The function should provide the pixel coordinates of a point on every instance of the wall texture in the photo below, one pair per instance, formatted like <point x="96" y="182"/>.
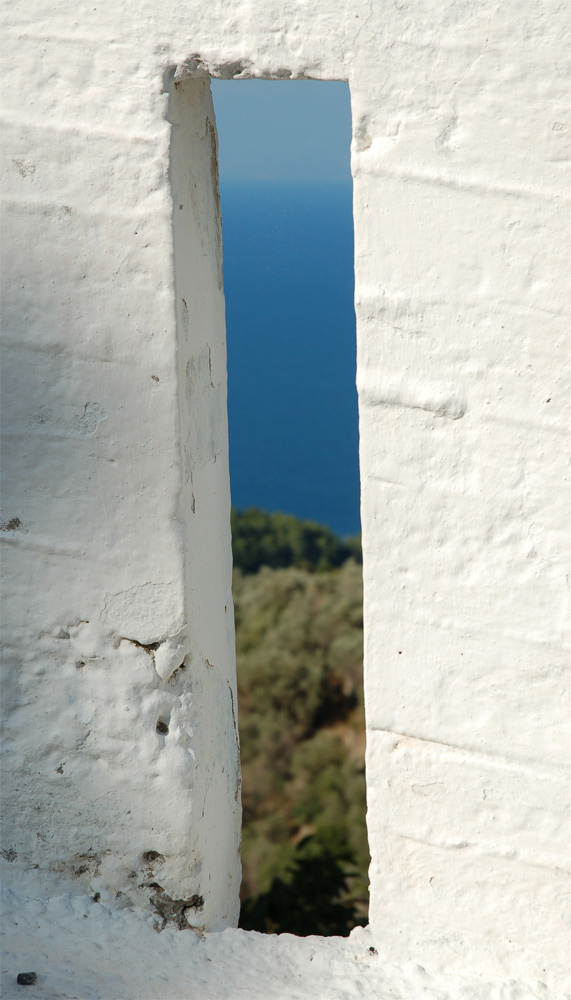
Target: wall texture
<point x="119" y="687"/>
<point x="115" y="467"/>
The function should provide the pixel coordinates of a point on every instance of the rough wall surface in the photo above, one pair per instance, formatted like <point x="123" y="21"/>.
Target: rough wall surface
<point x="116" y="483"/>
<point x="119" y="682"/>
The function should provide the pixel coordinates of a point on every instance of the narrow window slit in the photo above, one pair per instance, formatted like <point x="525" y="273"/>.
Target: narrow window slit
<point x="288" y="274"/>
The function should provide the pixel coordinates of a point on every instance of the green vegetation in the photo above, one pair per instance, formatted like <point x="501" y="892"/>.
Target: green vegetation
<point x="281" y="540"/>
<point x="299" y="638"/>
<point x="314" y="899"/>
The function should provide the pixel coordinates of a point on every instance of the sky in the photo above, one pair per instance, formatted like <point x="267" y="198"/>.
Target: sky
<point x="286" y="194"/>
<point x="283" y="130"/>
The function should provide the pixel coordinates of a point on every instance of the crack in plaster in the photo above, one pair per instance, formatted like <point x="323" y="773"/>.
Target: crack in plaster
<point x="237" y="740"/>
<point x="468" y="754"/>
<point x="479" y="849"/>
<point x="168" y="655"/>
<point x="414" y="396"/>
<point x="368" y="163"/>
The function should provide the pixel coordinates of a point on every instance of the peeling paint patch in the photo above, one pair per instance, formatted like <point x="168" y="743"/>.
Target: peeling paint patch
<point x="173" y="911"/>
<point x="25" y="169"/>
<point x="14" y="524"/>
<point x="84" y="424"/>
<point x="168" y="655"/>
<point x="89" y="420"/>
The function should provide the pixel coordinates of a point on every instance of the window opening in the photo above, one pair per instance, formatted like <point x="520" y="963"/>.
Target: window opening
<point x="288" y="272"/>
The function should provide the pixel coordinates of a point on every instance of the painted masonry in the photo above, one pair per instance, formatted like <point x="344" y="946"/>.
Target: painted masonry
<point x="119" y="684"/>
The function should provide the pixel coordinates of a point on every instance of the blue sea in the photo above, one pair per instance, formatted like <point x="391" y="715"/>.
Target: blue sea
<point x="292" y="402"/>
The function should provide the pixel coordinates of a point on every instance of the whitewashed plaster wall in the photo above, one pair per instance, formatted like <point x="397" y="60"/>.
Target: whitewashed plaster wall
<point x="116" y="486"/>
<point x="119" y="689"/>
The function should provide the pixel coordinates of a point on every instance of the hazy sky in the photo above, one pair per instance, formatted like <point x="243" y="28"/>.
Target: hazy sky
<point x="296" y="130"/>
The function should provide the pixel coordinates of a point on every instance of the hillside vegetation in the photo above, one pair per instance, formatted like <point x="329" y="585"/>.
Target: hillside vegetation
<point x="281" y="540"/>
<point x="299" y="639"/>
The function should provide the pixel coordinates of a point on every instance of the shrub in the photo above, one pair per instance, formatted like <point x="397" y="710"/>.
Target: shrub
<point x="281" y="540"/>
<point x="299" y="649"/>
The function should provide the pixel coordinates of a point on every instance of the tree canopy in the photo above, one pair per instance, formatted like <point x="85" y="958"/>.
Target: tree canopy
<point x="281" y="540"/>
<point x="299" y="642"/>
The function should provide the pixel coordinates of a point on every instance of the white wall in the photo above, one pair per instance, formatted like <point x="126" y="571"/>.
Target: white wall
<point x="464" y="383"/>
<point x="115" y="465"/>
<point x="460" y="144"/>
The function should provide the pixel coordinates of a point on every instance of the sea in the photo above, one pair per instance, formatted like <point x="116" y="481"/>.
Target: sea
<point x="292" y="402"/>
